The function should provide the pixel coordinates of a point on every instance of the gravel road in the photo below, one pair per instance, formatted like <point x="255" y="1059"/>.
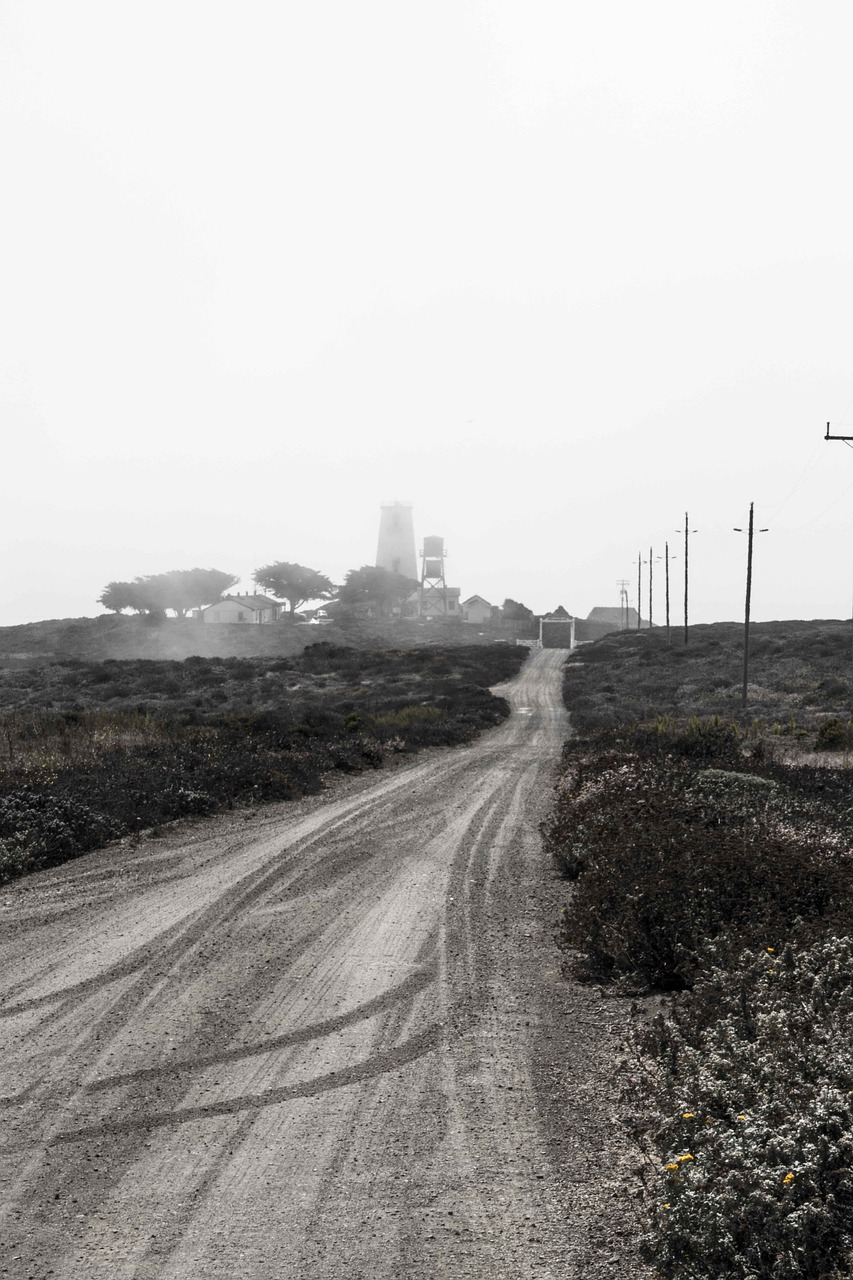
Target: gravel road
<point x="329" y="1041"/>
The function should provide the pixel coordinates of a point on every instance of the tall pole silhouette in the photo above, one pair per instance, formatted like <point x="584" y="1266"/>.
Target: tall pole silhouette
<point x="847" y="440"/>
<point x="687" y="533"/>
<point x="624" y="620"/>
<point x="748" y="602"/>
<point x="639" y="589"/>
<point x="686" y="578"/>
<point x="746" y="612"/>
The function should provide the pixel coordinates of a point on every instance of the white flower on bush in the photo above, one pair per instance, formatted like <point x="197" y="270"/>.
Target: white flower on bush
<point x="768" y="1187"/>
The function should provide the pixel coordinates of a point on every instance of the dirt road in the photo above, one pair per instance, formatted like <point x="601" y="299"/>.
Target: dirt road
<point x="328" y="1042"/>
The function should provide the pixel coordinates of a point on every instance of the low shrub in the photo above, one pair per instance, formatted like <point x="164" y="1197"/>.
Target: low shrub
<point x="834" y="735"/>
<point x="39" y="829"/>
<point x="218" y="732"/>
<point x="668" y="853"/>
<point x="751" y="1134"/>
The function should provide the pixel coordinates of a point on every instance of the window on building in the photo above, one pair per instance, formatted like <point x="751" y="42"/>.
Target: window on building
<point x="241" y="617"/>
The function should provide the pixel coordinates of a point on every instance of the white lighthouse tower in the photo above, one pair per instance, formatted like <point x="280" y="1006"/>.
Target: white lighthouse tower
<point x="396" y="549"/>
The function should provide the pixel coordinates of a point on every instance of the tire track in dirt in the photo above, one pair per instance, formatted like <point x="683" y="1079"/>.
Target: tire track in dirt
<point x="300" y="1051"/>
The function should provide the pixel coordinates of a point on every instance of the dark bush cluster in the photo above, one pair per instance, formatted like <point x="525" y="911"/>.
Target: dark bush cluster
<point x="199" y="735"/>
<point x="40" y="829"/>
<point x="834" y="735"/>
<point x="212" y="686"/>
<point x="674" y="838"/>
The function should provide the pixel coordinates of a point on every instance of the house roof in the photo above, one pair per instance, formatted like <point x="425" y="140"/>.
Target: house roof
<point x="248" y="602"/>
<point x="604" y="613"/>
<point x="615" y="617"/>
<point x="482" y="600"/>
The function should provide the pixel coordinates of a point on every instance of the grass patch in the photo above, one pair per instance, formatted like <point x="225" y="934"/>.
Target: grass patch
<point x="800" y="677"/>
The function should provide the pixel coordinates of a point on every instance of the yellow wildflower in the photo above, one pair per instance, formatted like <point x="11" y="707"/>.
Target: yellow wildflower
<point x="671" y="1165"/>
<point x="741" y="1117"/>
<point x="686" y="1156"/>
<point x="771" y="949"/>
<point x="688" y="1115"/>
<point x="788" y="1179"/>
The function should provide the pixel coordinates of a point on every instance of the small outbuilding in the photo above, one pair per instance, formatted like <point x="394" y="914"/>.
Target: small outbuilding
<point x="476" y="609"/>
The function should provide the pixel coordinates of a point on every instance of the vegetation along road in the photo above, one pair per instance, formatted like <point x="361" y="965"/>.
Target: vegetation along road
<point x="332" y="1041"/>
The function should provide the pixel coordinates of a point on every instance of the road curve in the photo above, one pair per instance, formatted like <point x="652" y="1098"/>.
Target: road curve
<point x="330" y="1042"/>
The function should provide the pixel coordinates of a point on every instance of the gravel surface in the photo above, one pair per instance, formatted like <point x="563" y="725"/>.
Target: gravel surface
<point x="332" y="1041"/>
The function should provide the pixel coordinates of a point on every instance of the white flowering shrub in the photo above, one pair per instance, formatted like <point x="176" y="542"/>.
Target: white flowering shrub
<point x="751" y="1090"/>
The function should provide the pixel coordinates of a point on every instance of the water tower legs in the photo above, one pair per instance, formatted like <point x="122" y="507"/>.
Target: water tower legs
<point x="433" y="597"/>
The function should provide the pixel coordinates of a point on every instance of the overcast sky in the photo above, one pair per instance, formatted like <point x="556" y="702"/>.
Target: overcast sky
<point x="553" y="272"/>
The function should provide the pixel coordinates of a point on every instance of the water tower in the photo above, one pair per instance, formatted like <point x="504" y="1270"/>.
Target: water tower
<point x="396" y="550"/>
<point x="433" y="583"/>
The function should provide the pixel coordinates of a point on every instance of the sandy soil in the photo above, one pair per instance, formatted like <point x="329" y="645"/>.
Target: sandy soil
<point x="332" y="1041"/>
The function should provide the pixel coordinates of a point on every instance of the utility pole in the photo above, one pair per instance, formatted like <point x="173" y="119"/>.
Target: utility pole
<point x="687" y="532"/>
<point x="651" y="585"/>
<point x="748" y="599"/>
<point x="639" y="589"/>
<point x="622" y="584"/>
<point x="666" y="559"/>
<point x="847" y="440"/>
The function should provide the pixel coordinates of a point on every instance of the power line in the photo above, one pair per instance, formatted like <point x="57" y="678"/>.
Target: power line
<point x="835" y="501"/>
<point x="780" y="506"/>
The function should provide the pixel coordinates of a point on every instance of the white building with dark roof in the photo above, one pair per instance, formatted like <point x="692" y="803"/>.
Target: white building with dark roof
<point x="245" y="608"/>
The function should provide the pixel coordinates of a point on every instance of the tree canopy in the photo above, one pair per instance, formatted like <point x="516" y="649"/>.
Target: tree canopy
<point x="295" y="583"/>
<point x="375" y="590"/>
<point x="179" y="590"/>
<point x="119" y="596"/>
<point x="513" y="611"/>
